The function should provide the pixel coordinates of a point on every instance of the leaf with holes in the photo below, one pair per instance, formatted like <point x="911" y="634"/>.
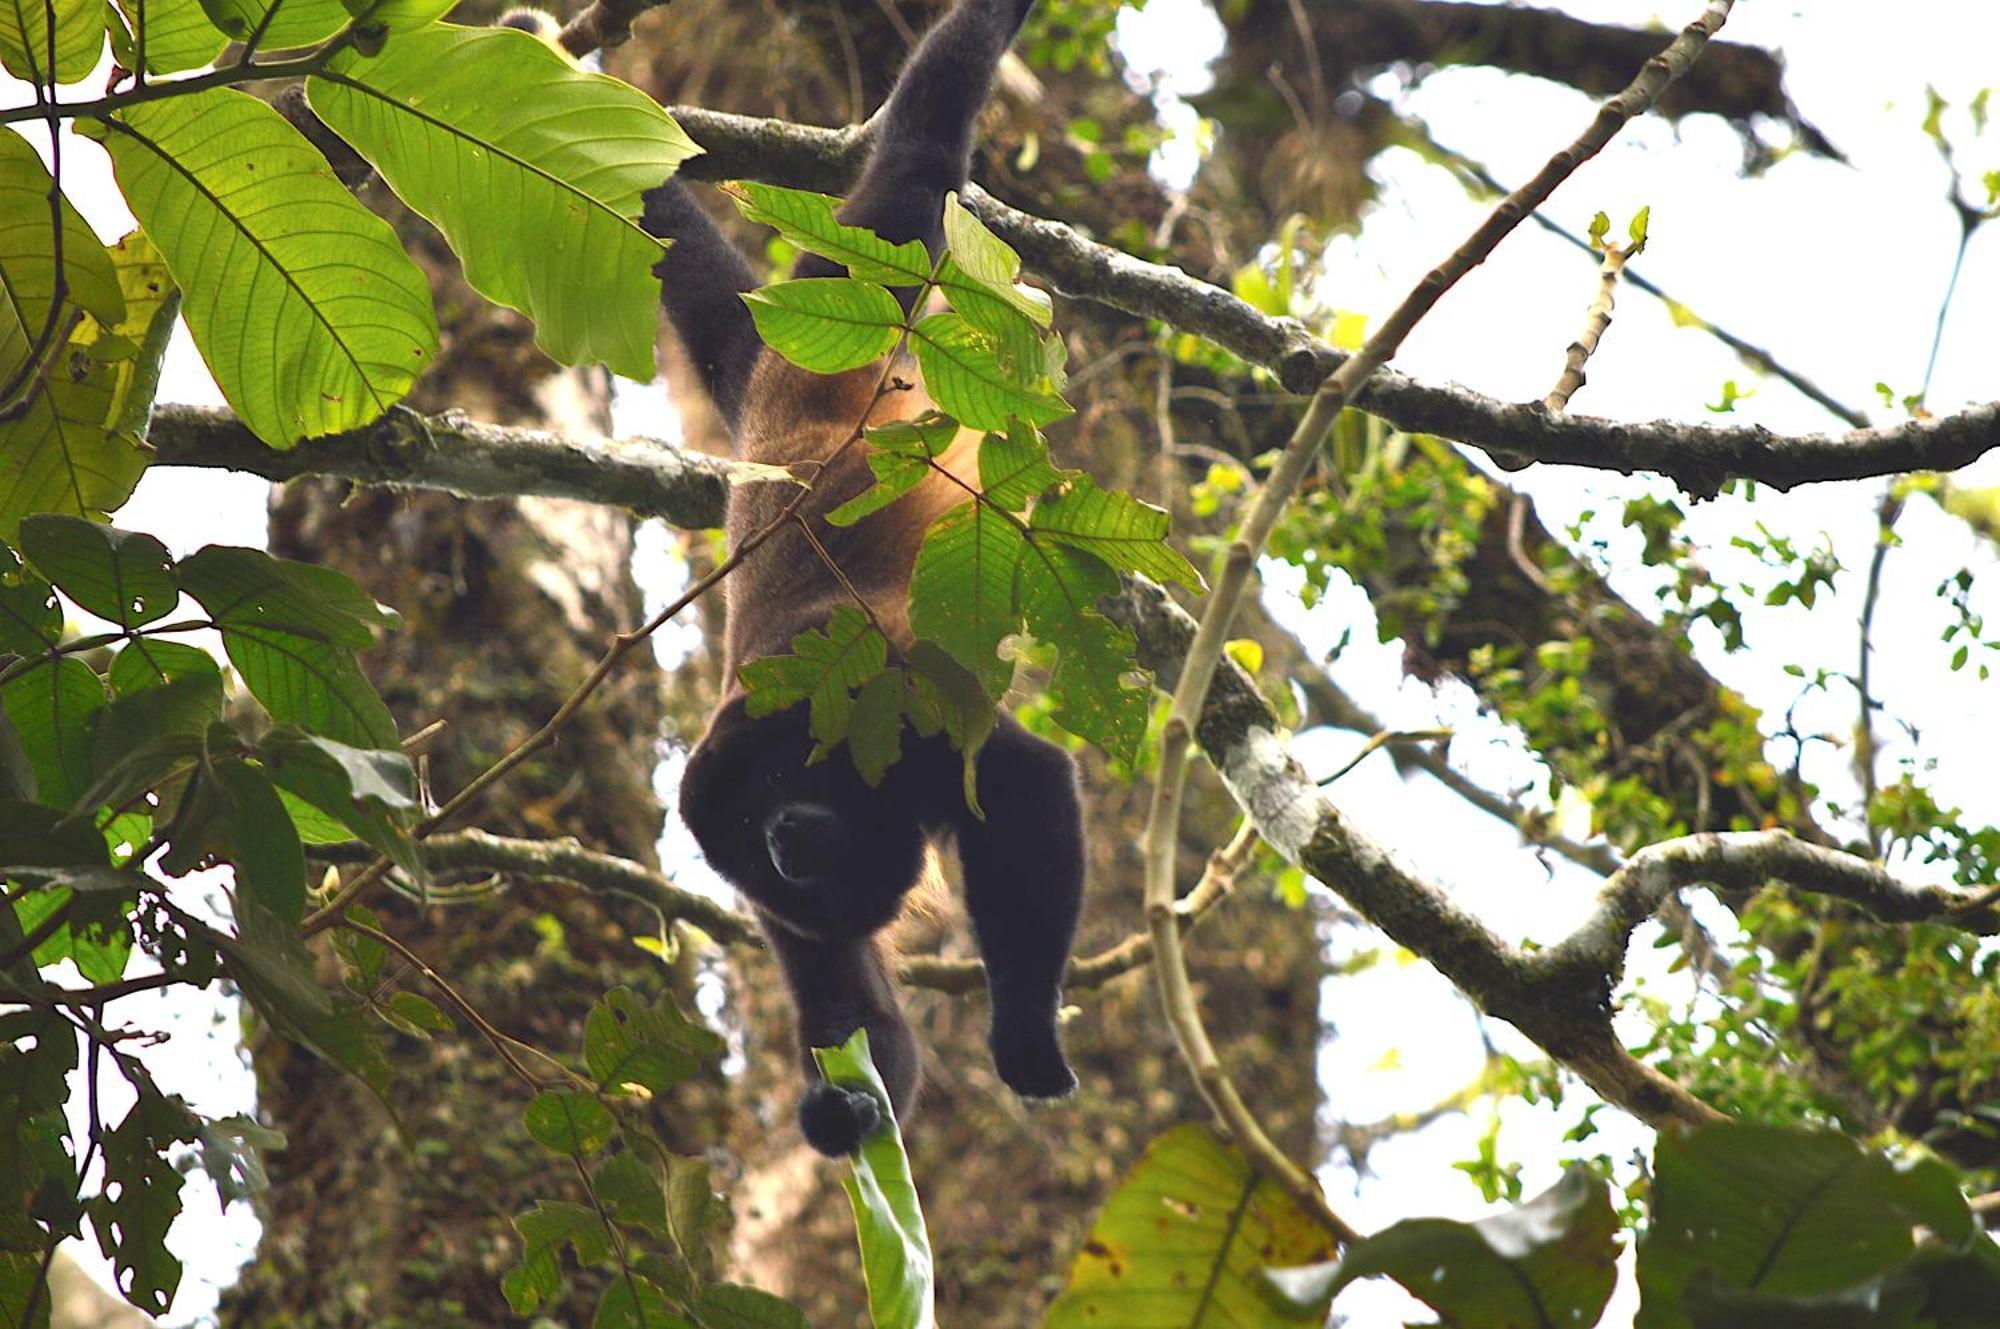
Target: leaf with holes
<point x="303" y="303"/>
<point x="1129" y="535"/>
<point x="125" y="577"/>
<point x="1059" y="588"/>
<point x="566" y="248"/>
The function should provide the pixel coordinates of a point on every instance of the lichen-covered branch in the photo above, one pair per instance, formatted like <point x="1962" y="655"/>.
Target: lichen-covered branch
<point x="463" y="457"/>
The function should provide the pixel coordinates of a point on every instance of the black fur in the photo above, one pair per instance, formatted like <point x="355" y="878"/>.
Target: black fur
<point x="824" y="859"/>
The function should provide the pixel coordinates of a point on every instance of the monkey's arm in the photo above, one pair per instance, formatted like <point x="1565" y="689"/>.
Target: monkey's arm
<point x="838" y="987"/>
<point x="1024" y="871"/>
<point x="702" y="279"/>
<point x="923" y="143"/>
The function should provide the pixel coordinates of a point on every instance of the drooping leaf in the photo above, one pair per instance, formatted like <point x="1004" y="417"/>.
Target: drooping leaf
<point x="569" y="1122"/>
<point x="370" y="791"/>
<point x="275" y="972"/>
<point x="875" y="730"/>
<point x="1129" y="535"/>
<point x="29" y="257"/>
<point x="1793" y="1213"/>
<point x="176" y="35"/>
<point x="24" y="38"/>
<point x="807" y="220"/>
<point x="291" y="630"/>
<point x="825" y="667"/>
<point x="125" y="577"/>
<point x="232" y="1153"/>
<point x="991" y="262"/>
<point x="1550" y="1262"/>
<point x="626" y="1042"/>
<point x="261" y="844"/>
<point x="888" y="1218"/>
<point x="1185" y="1241"/>
<point x="303" y="303"/>
<point x="826" y="324"/>
<point x="945" y="695"/>
<point x="962" y="591"/>
<point x="51" y="703"/>
<point x="965" y="377"/>
<point x="567" y="249"/>
<point x="141" y="1199"/>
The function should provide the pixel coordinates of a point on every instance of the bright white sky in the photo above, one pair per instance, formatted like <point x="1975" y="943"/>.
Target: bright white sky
<point x="1837" y="269"/>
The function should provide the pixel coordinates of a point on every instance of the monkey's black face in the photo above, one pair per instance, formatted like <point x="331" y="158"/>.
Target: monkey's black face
<point x="812" y="844"/>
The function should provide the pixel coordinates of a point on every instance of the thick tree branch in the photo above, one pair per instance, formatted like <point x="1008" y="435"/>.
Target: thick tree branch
<point x="459" y="456"/>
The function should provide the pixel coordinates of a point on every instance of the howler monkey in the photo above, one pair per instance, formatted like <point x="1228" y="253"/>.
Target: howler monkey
<point x="825" y="859"/>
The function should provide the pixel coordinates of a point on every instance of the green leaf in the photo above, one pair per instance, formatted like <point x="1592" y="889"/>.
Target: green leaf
<point x="1552" y="1261"/>
<point x="57" y="455"/>
<point x="232" y="1150"/>
<point x="987" y="260"/>
<point x="807" y="220"/>
<point x="962" y="591"/>
<point x="28" y="253"/>
<point x="655" y="1047"/>
<point x="24" y="39"/>
<point x="303" y="303"/>
<point x="635" y="1302"/>
<point x="291" y="630"/>
<point x="123" y="577"/>
<point x="412" y="1014"/>
<point x="142" y="742"/>
<point x="141" y="1198"/>
<point x="177" y="34"/>
<point x="276" y="974"/>
<point x="1788" y="1212"/>
<point x="262" y="844"/>
<point x="148" y="662"/>
<point x="544" y="1230"/>
<point x="566" y="249"/>
<point x="20" y="1284"/>
<point x="875" y="731"/>
<point x="1058" y="590"/>
<point x="1185" y="1241"/>
<point x="965" y="377"/>
<point x="734" y="1306"/>
<point x="630" y="1192"/>
<point x="31" y="618"/>
<point x="1129" y="535"/>
<point x="134" y="347"/>
<point x="1014" y="467"/>
<point x="371" y="791"/>
<point x="570" y="1122"/>
<point x="896" y="474"/>
<point x="825" y="667"/>
<point x="888" y="1218"/>
<point x="51" y="704"/>
<point x="826" y="324"/>
<point x="17" y="773"/>
<point x="945" y="695"/>
<point x="295" y="22"/>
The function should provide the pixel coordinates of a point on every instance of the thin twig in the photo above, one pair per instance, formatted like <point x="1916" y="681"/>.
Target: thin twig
<point x="1595" y="322"/>
<point x="502" y="1044"/>
<point x="1198" y="672"/>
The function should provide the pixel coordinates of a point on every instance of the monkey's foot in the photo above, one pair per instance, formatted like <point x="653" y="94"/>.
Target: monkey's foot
<point x="1030" y="1061"/>
<point x="836" y="1120"/>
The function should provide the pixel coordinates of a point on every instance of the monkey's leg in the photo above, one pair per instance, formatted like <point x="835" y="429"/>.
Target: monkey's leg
<point x="838" y="987"/>
<point x="1024" y="868"/>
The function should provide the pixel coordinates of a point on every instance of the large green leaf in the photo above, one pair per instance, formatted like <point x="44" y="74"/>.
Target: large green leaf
<point x="296" y="22"/>
<point x="370" y="791"/>
<point x="291" y="630"/>
<point x="1788" y="1213"/>
<point x="142" y="1197"/>
<point x="303" y="303"/>
<point x="541" y="205"/>
<point x="1184" y="1242"/>
<point x="966" y="378"/>
<point x="51" y="703"/>
<point x="124" y="577"/>
<point x="807" y="220"/>
<point x="29" y="260"/>
<point x="1059" y="588"/>
<point x="24" y="38"/>
<point x="1126" y="533"/>
<point x="58" y="456"/>
<point x="962" y="591"/>
<point x="888" y="1217"/>
<point x="1549" y="1264"/>
<point x="270" y="862"/>
<point x="827" y="324"/>
<point x="175" y="34"/>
